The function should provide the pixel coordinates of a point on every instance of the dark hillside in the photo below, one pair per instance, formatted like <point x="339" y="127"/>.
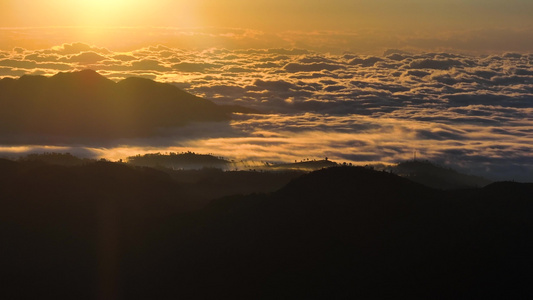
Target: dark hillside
<point x="107" y="230"/>
<point x="351" y="233"/>
<point x="53" y="158"/>
<point x="65" y="229"/>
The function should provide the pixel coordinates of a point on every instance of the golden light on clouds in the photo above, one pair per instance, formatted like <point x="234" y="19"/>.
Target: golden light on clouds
<point x="382" y="77"/>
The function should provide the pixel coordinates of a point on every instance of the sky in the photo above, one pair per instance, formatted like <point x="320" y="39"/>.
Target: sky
<point x="357" y="81"/>
<point x="337" y="25"/>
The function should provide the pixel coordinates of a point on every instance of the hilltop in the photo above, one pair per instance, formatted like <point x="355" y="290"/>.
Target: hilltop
<point x="185" y="160"/>
<point x="423" y="172"/>
<point x="86" y="106"/>
<point x="308" y="165"/>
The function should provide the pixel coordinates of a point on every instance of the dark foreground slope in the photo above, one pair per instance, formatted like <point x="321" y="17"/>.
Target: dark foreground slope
<point x="63" y="228"/>
<point x="335" y="233"/>
<point x="86" y="106"/>
<point x="349" y="233"/>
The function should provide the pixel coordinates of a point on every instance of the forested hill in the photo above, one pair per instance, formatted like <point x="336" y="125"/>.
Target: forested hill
<point x="85" y="104"/>
<point x="186" y="160"/>
<point x="107" y="229"/>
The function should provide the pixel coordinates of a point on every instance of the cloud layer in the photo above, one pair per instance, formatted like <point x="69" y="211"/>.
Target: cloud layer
<point x="474" y="112"/>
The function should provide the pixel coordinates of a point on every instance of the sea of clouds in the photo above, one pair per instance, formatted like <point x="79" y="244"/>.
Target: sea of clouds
<point x="473" y="112"/>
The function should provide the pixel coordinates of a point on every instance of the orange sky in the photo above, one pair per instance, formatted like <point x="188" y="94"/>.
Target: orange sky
<point x="268" y="15"/>
<point x="372" y="24"/>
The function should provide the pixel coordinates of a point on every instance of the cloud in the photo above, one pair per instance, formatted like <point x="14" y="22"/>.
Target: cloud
<point x="193" y="67"/>
<point x="87" y="58"/>
<point x="387" y="105"/>
<point x="297" y="67"/>
<point x="288" y="51"/>
<point x="124" y="57"/>
<point x="441" y="64"/>
<point x="18" y="63"/>
<point x="40" y="57"/>
<point x="278" y="85"/>
<point x="9" y="72"/>
<point x="149" y="65"/>
<point x="266" y="65"/>
<point x="440" y="135"/>
<point x="416" y="73"/>
<point x="76" y="48"/>
<point x="334" y="88"/>
<point x="221" y="90"/>
<point x="395" y="52"/>
<point x="365" y="62"/>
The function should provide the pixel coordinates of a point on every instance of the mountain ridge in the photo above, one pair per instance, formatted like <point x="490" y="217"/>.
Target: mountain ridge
<point x="439" y="177"/>
<point x="85" y="105"/>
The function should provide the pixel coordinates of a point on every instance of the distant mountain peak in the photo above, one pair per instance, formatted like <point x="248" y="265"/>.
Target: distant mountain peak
<point x="87" y="75"/>
<point x="433" y="175"/>
<point x="85" y="105"/>
<point x="136" y="79"/>
<point x="90" y="72"/>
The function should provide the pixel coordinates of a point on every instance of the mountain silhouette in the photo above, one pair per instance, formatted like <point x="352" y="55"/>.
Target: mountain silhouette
<point x="435" y="176"/>
<point x="87" y="106"/>
<point x="108" y="229"/>
<point x="186" y="160"/>
<point x="52" y="158"/>
<point x="309" y="165"/>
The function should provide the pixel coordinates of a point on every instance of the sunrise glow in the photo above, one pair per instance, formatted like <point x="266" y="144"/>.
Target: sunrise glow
<point x="356" y="81"/>
<point x="266" y="149"/>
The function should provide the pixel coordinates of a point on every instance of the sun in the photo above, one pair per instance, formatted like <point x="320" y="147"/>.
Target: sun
<point x="80" y="12"/>
<point x="95" y="16"/>
<point x="105" y="12"/>
<point x="131" y="13"/>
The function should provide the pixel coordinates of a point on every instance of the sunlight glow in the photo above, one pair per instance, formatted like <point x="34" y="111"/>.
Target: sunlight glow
<point x="101" y="12"/>
<point x="98" y="13"/>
